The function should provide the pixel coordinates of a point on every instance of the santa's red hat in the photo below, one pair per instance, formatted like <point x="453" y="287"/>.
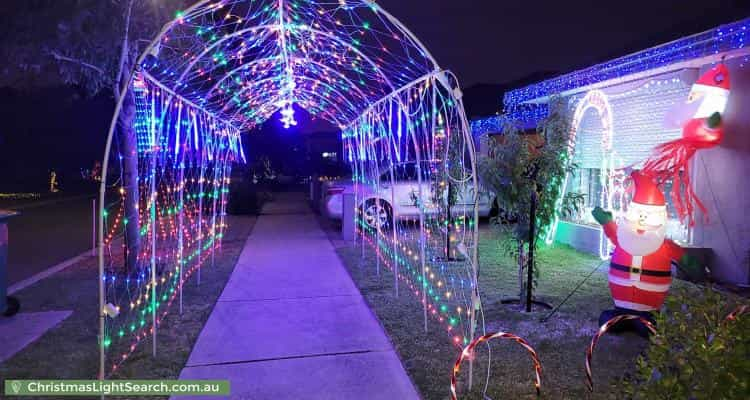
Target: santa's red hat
<point x="717" y="77"/>
<point x="646" y="190"/>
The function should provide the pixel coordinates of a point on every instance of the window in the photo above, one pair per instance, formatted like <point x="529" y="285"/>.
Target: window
<point x="676" y="230"/>
<point x="586" y="181"/>
<point x="407" y="172"/>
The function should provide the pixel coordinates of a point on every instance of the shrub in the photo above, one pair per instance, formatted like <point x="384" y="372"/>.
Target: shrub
<point x="698" y="353"/>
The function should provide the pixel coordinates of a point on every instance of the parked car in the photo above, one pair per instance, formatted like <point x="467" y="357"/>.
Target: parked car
<point x="405" y="192"/>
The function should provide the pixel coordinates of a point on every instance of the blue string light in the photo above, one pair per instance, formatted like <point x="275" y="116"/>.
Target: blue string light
<point x="718" y="40"/>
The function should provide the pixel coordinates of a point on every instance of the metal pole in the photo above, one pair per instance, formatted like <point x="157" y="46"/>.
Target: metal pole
<point x="154" y="197"/>
<point x="393" y="194"/>
<point x="181" y="227"/>
<point x="378" y="205"/>
<point x="448" y="226"/>
<point x="359" y="196"/>
<point x="214" y="195"/>
<point x="181" y="203"/>
<point x="93" y="227"/>
<point x="348" y="230"/>
<point x="200" y="214"/>
<point x="422" y="239"/>
<point x="393" y="229"/>
<point x="530" y="276"/>
<point x="469" y="143"/>
<point x="225" y="177"/>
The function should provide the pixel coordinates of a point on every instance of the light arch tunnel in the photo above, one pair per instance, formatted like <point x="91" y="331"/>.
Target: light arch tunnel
<point x="221" y="68"/>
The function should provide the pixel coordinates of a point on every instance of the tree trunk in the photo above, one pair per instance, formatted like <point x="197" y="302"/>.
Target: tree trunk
<point x="129" y="153"/>
<point x="521" y="266"/>
<point x="532" y="244"/>
<point x="128" y="148"/>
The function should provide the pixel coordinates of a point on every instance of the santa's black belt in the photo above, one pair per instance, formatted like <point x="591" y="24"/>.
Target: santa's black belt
<point x="641" y="271"/>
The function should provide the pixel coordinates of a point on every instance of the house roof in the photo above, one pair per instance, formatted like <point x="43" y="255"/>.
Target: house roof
<point x="690" y="51"/>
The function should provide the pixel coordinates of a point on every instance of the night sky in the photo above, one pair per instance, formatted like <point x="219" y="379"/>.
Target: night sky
<point x="482" y="41"/>
<point x="498" y="41"/>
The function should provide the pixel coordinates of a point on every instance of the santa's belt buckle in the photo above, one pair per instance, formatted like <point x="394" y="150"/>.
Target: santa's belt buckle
<point x="635" y="270"/>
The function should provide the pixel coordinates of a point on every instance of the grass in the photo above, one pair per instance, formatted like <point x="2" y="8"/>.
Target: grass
<point x="70" y="351"/>
<point x="561" y="341"/>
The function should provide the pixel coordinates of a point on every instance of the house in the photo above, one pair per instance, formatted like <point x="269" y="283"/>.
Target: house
<point x="618" y="110"/>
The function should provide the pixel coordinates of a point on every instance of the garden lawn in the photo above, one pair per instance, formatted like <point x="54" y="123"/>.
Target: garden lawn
<point x="70" y="351"/>
<point x="561" y="342"/>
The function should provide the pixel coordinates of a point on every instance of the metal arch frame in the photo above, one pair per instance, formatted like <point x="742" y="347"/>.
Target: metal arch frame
<point x="240" y="32"/>
<point x="311" y="94"/>
<point x="312" y="101"/>
<point x="237" y="34"/>
<point x="352" y="48"/>
<point x="196" y="10"/>
<point x="281" y="38"/>
<point x="434" y="77"/>
<point x="274" y="99"/>
<point x="105" y="165"/>
<point x="334" y="105"/>
<point x="374" y="6"/>
<point x="394" y="93"/>
<point x="306" y="101"/>
<point x="294" y="59"/>
<point x="301" y="77"/>
<point x="246" y="88"/>
<point x="378" y="9"/>
<point x="176" y="95"/>
<point x="237" y="69"/>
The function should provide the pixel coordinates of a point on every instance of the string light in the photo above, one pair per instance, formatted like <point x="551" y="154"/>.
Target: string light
<point x="722" y="39"/>
<point x="625" y="144"/>
<point x="226" y="66"/>
<point x="184" y="158"/>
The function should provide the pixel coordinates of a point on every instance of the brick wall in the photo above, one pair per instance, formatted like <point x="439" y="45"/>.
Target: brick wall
<point x="638" y="111"/>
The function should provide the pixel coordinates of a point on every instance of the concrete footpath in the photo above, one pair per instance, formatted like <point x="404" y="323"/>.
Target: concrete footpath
<point x="291" y="324"/>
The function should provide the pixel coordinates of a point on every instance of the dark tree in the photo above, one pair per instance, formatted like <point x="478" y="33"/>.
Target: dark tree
<point x="93" y="45"/>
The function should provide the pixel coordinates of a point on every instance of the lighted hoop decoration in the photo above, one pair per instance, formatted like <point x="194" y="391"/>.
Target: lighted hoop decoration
<point x="502" y="335"/>
<point x="602" y="330"/>
<point x="736" y="313"/>
<point x="597" y="100"/>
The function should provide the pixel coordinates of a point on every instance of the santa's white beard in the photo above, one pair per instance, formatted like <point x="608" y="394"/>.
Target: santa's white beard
<point x="640" y="244"/>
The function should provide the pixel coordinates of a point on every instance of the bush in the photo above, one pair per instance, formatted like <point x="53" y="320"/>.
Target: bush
<point x="698" y="353"/>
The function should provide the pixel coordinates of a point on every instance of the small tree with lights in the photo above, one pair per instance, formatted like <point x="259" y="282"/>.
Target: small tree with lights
<point x="526" y="172"/>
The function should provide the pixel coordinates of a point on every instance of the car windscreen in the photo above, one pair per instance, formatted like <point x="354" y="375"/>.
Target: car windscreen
<point x="407" y="172"/>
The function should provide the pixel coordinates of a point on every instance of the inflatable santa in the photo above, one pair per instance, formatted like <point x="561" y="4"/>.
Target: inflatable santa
<point x="640" y="269"/>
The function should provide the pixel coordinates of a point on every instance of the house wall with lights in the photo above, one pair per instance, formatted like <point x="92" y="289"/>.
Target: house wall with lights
<point x="617" y="110"/>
